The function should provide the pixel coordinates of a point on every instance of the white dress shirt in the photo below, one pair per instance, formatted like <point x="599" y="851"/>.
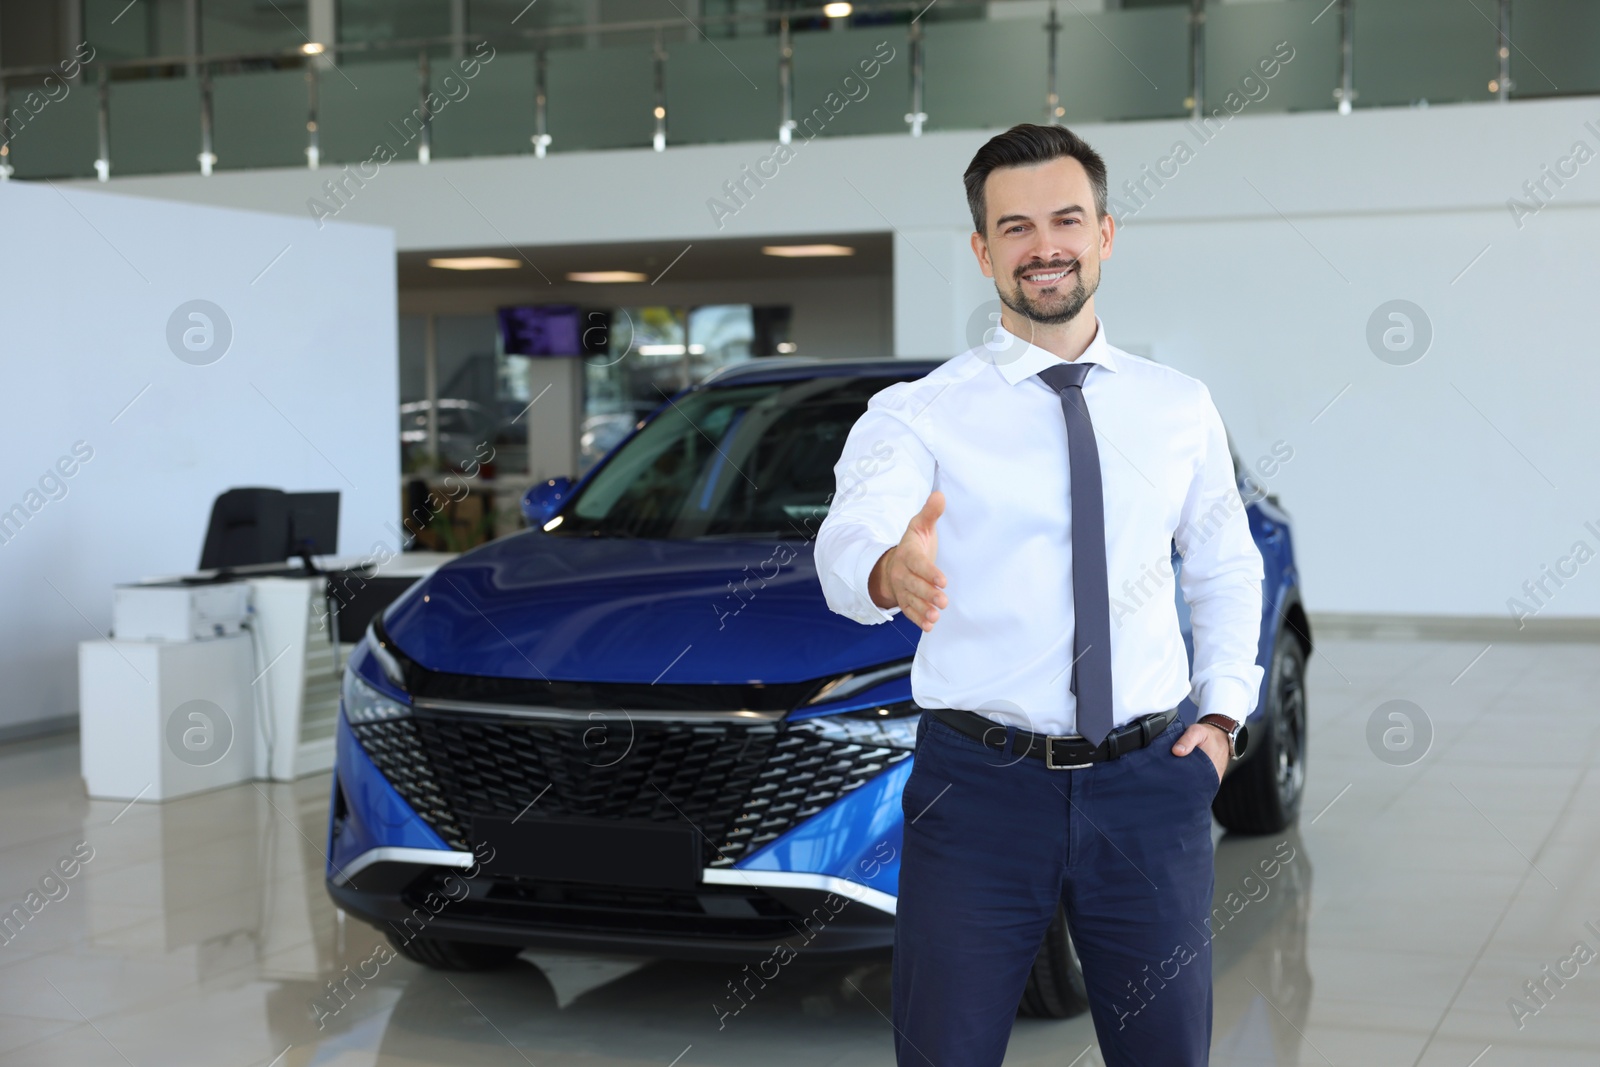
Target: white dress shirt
<point x="990" y="434"/>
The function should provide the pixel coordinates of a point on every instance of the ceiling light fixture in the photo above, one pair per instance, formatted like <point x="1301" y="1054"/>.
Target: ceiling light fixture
<point x="837" y="10"/>
<point x="312" y="48"/>
<point x="806" y="251"/>
<point x="606" y="276"/>
<point x="474" y="263"/>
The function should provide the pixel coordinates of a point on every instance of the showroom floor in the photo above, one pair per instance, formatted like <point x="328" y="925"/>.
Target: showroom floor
<point x="1415" y="902"/>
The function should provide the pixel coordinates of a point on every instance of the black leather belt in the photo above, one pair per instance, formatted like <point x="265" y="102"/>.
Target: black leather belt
<point x="1060" y="752"/>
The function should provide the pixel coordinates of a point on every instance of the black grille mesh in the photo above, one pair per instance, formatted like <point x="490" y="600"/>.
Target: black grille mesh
<point x="742" y="785"/>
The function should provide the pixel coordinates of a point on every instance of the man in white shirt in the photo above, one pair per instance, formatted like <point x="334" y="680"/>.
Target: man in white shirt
<point x="1051" y="764"/>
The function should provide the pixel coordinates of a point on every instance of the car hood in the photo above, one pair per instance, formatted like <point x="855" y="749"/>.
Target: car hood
<point x="539" y="606"/>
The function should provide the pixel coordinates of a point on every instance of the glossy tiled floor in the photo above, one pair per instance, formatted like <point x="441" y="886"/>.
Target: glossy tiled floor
<point x="1420" y="900"/>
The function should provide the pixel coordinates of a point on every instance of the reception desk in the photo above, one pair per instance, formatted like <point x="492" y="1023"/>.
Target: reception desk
<point x="178" y="708"/>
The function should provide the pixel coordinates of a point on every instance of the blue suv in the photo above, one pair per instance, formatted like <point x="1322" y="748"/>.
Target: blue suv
<point x="637" y="727"/>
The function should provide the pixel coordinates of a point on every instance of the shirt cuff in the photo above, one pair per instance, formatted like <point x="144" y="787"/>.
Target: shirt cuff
<point x="1225" y="696"/>
<point x="861" y="580"/>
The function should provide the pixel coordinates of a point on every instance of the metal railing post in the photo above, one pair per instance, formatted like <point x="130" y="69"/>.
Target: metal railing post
<point x="313" y="134"/>
<point x="5" y="132"/>
<point x="659" y="140"/>
<point x="1197" y="58"/>
<point x="1503" y="85"/>
<point x="1345" y="94"/>
<point x="916" y="116"/>
<point x="425" y="140"/>
<point x="786" y="122"/>
<point x="1052" y="96"/>
<point x="541" y="103"/>
<point x="208" y="157"/>
<point x="102" y="165"/>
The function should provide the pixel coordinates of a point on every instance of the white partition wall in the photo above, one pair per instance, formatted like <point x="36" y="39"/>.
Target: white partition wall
<point x="1255" y="258"/>
<point x="152" y="355"/>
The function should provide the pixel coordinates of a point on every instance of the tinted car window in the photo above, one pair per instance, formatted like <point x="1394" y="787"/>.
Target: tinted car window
<point x="732" y="461"/>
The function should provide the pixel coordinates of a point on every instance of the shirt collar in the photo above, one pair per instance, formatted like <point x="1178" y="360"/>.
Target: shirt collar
<point x="1035" y="359"/>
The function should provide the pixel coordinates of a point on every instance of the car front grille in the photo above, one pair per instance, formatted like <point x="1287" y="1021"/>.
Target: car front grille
<point x="741" y="785"/>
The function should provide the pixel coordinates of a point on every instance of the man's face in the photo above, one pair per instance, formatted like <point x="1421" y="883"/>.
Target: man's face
<point x="1043" y="244"/>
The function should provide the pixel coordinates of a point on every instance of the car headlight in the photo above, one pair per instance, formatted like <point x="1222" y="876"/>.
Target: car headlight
<point x="364" y="703"/>
<point x="885" y="726"/>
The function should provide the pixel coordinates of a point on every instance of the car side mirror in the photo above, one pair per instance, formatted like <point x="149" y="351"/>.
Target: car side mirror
<point x="540" y="503"/>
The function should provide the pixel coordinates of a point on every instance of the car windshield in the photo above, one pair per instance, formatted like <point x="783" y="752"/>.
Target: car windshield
<point x="726" y="462"/>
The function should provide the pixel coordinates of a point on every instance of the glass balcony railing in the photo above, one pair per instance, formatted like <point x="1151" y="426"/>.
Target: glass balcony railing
<point x="555" y="82"/>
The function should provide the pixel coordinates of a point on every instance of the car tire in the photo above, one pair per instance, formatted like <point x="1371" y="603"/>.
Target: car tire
<point x="455" y="955"/>
<point x="1055" y="988"/>
<point x="1262" y="795"/>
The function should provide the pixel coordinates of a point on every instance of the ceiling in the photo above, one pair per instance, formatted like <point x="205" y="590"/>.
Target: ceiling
<point x="722" y="259"/>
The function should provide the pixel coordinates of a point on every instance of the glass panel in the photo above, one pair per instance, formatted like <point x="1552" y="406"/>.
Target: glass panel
<point x="1111" y="65"/>
<point x="1242" y="47"/>
<point x="708" y="98"/>
<point x="1146" y="74"/>
<point x="620" y="11"/>
<point x="117" y="31"/>
<point x="237" y="26"/>
<point x="468" y="386"/>
<point x="499" y="18"/>
<point x="53" y="138"/>
<point x="1416" y="51"/>
<point x="155" y="126"/>
<point x="391" y="20"/>
<point x="833" y="96"/>
<point x="720" y="31"/>
<point x="259" y="119"/>
<point x="1555" y="51"/>
<point x="489" y="114"/>
<point x="981" y="75"/>
<point x="719" y="336"/>
<point x="364" y="105"/>
<point x="601" y="98"/>
<point x="413" y="341"/>
<point x="643" y="365"/>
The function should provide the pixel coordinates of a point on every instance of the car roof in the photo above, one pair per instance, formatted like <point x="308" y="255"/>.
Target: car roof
<point x="789" y="368"/>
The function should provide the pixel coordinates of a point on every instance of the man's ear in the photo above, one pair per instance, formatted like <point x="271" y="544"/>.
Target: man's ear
<point x="980" y="248"/>
<point x="1108" y="234"/>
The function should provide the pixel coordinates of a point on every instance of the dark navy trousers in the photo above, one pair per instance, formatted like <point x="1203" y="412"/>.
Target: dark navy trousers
<point x="993" y="841"/>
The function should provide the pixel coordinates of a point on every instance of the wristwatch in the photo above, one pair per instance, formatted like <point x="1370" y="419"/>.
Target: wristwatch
<point x="1238" y="734"/>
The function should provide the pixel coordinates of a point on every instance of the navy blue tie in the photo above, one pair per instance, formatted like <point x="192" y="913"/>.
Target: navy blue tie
<point x="1091" y="597"/>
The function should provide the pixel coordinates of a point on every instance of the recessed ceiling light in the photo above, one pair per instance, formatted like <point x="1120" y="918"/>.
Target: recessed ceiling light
<point x="312" y="48"/>
<point x="606" y="276"/>
<point x="474" y="263"/>
<point x="836" y="10"/>
<point x="802" y="251"/>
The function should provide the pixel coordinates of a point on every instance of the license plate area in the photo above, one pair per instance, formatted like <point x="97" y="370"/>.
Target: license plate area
<point x="597" y="851"/>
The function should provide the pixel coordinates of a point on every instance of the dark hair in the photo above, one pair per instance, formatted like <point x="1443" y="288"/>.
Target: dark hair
<point x="1025" y="144"/>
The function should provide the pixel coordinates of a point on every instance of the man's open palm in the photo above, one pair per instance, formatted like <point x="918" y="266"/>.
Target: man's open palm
<point x="905" y="576"/>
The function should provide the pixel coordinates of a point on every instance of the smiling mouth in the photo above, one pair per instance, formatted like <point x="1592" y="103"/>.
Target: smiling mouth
<point x="1049" y="277"/>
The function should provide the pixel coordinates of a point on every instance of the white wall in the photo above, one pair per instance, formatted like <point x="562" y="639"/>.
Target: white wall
<point x="1435" y="488"/>
<point x="304" y="398"/>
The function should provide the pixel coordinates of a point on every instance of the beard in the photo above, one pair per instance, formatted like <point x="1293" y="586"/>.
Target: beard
<point x="1049" y="309"/>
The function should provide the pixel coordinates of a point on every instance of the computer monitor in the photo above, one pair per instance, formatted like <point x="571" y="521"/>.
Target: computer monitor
<point x="313" y="524"/>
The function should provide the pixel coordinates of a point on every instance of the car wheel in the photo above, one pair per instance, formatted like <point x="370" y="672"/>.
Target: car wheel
<point x="454" y="955"/>
<point x="1262" y="796"/>
<point x="1055" y="987"/>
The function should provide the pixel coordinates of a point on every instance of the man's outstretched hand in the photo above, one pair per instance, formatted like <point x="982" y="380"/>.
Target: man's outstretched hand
<point x="905" y="577"/>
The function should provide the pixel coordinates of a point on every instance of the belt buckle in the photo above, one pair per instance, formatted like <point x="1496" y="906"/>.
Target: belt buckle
<point x="1050" y="752"/>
